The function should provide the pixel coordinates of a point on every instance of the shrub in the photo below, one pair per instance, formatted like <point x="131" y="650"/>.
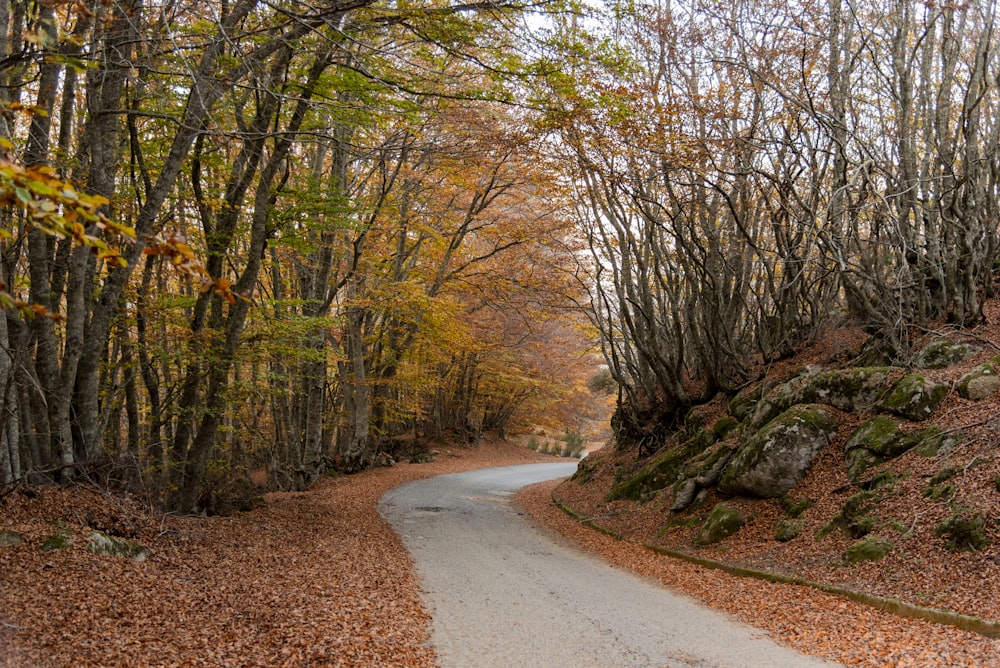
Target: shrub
<point x="573" y="444"/>
<point x="602" y="382"/>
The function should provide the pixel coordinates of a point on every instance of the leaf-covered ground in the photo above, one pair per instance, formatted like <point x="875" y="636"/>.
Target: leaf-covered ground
<point x="312" y="579"/>
<point x="813" y="622"/>
<point x="319" y="579"/>
<point x="922" y="495"/>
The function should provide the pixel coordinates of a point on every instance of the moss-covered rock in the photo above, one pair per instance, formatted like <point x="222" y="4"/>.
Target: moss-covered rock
<point x="940" y="492"/>
<point x="943" y="352"/>
<point x="847" y="389"/>
<point x="723" y="427"/>
<point x="663" y="470"/>
<point x="773" y="460"/>
<point x="795" y="507"/>
<point x="880" y="434"/>
<point x="878" y="351"/>
<point x="788" y="530"/>
<point x="585" y="471"/>
<point x="871" y="548"/>
<point x="886" y="478"/>
<point x="979" y="383"/>
<point x="947" y="473"/>
<point x="875" y="441"/>
<point x="857" y="517"/>
<point x="113" y="546"/>
<point x="721" y="523"/>
<point x="743" y="404"/>
<point x="59" y="541"/>
<point x="914" y="397"/>
<point x="707" y="468"/>
<point x="964" y="531"/>
<point x="8" y="538"/>
<point x="938" y="487"/>
<point x="699" y="440"/>
<point x="858" y="461"/>
<point x="932" y="441"/>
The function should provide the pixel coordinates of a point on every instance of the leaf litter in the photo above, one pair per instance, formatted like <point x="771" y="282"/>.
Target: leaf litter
<point x="315" y="578"/>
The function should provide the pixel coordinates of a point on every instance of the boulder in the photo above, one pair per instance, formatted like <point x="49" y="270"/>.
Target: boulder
<point x="773" y="460"/>
<point x="113" y="546"/>
<point x="60" y="541"/>
<point x="932" y="441"/>
<point x="722" y="522"/>
<point x="852" y="389"/>
<point x="743" y="404"/>
<point x="663" y="470"/>
<point x="871" y="548"/>
<point x="943" y="352"/>
<point x="859" y="514"/>
<point x="979" y="383"/>
<point x="878" y="351"/>
<point x="723" y="426"/>
<point x="873" y="442"/>
<point x="8" y="538"/>
<point x="914" y="397"/>
<point x="788" y="530"/>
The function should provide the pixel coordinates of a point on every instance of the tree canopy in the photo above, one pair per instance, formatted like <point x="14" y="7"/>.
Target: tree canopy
<point x="296" y="236"/>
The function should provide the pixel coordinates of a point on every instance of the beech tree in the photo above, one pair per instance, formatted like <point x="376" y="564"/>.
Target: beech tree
<point x="320" y="180"/>
<point x="749" y="173"/>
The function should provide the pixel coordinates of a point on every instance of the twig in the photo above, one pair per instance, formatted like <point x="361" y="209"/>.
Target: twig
<point x="969" y="465"/>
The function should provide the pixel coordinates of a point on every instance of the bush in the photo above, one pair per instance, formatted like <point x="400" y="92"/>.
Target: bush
<point x="573" y="444"/>
<point x="602" y="383"/>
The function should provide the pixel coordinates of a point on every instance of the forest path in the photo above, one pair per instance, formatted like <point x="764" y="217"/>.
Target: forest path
<point x="503" y="593"/>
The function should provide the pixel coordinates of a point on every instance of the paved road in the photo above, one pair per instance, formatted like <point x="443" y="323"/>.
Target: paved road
<point x="502" y="594"/>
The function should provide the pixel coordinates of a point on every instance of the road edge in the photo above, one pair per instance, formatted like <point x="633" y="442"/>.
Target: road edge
<point x="983" y="627"/>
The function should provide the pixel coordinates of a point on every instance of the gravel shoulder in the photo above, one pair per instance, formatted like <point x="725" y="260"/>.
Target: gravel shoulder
<point x="502" y="594"/>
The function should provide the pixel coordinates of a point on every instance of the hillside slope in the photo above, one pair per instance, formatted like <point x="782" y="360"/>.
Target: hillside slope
<point x="897" y="494"/>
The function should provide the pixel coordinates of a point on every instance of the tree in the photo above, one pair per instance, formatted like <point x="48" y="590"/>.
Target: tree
<point x="749" y="173"/>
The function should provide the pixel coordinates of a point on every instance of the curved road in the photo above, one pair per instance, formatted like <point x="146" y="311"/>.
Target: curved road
<point x="503" y="594"/>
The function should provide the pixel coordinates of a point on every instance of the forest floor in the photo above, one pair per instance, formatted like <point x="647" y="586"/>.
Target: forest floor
<point x="809" y="620"/>
<point x="316" y="578"/>
<point x="919" y="569"/>
<point x="319" y="579"/>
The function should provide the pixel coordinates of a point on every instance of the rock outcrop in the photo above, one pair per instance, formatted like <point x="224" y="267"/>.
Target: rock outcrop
<point x="774" y="459"/>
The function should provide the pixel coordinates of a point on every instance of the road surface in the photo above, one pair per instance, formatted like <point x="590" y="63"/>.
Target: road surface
<point x="504" y="594"/>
